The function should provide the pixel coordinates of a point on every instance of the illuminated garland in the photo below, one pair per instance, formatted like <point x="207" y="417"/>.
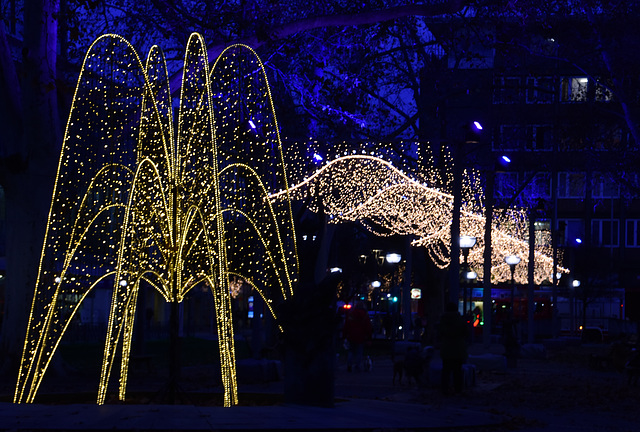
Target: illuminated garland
<point x="366" y="188"/>
<point x="137" y="203"/>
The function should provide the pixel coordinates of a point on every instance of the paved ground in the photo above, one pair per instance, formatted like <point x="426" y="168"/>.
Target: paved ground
<point x="558" y="393"/>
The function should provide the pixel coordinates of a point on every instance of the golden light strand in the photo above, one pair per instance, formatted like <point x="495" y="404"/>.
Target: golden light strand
<point x="369" y="189"/>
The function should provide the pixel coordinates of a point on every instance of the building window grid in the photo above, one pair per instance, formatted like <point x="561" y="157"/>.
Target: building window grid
<point x="507" y="90"/>
<point x="605" y="232"/>
<point x="540" y="90"/>
<point x="632" y="239"/>
<point x="540" y="138"/>
<point x="543" y="232"/>
<point x="602" y="93"/>
<point x="571" y="184"/>
<point x="513" y="137"/>
<point x="539" y="186"/>
<point x="506" y="184"/>
<point x="573" y="229"/>
<point x="574" y="89"/>
<point x="604" y="186"/>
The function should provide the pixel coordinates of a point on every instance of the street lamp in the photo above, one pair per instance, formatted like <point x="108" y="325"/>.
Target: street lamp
<point x="470" y="276"/>
<point x="575" y="284"/>
<point x="394" y="258"/>
<point x="466" y="243"/>
<point x="509" y="330"/>
<point x="513" y="261"/>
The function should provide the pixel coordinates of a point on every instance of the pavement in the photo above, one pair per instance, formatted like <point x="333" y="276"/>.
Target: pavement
<point x="347" y="415"/>
<point x="364" y="401"/>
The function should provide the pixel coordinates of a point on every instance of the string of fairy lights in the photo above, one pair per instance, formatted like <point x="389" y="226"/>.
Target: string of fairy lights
<point x="137" y="203"/>
<point x="363" y="187"/>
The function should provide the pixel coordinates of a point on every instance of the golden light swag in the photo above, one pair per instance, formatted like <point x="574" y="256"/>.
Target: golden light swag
<point x="386" y="200"/>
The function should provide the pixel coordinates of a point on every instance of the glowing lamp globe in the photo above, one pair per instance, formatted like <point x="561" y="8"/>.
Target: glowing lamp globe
<point x="393" y="258"/>
<point x="467" y="242"/>
<point x="512" y="260"/>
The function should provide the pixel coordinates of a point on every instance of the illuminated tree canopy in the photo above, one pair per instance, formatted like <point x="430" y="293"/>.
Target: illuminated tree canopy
<point x="137" y="202"/>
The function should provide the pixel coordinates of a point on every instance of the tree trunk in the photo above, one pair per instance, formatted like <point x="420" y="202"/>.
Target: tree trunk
<point x="487" y="304"/>
<point x="29" y="178"/>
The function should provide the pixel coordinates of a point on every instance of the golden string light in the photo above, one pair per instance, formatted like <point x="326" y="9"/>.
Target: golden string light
<point x="369" y="189"/>
<point x="136" y="203"/>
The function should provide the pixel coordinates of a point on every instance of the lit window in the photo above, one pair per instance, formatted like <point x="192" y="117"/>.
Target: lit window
<point x="602" y="93"/>
<point x="574" y="89"/>
<point x="543" y="232"/>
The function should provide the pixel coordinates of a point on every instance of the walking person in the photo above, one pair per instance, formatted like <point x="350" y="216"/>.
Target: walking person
<point x="356" y="331"/>
<point x="453" y="347"/>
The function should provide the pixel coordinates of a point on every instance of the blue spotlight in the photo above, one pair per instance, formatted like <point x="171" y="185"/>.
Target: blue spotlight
<point x="506" y="159"/>
<point x="252" y="125"/>
<point x="477" y="125"/>
<point x="317" y="157"/>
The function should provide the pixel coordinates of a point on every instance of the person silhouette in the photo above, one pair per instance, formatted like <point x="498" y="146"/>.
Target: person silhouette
<point x="356" y="331"/>
<point x="453" y="347"/>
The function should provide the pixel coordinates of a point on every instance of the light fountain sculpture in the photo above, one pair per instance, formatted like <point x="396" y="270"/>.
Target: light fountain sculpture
<point x="136" y="202"/>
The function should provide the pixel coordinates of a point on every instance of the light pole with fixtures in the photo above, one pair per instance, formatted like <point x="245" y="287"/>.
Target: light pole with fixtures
<point x="510" y="337"/>
<point x="470" y="276"/>
<point x="575" y="284"/>
<point x="513" y="261"/>
<point x="466" y="243"/>
<point x="393" y="259"/>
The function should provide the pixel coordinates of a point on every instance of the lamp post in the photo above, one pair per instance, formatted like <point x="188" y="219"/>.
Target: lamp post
<point x="393" y="259"/>
<point x="469" y="276"/>
<point x="466" y="243"/>
<point x="510" y="337"/>
<point x="575" y="284"/>
<point x="513" y="261"/>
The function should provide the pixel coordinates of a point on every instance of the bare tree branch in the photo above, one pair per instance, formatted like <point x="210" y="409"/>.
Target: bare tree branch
<point x="364" y="18"/>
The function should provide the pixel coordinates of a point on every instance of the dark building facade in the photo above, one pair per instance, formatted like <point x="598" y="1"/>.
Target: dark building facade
<point x="565" y="128"/>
